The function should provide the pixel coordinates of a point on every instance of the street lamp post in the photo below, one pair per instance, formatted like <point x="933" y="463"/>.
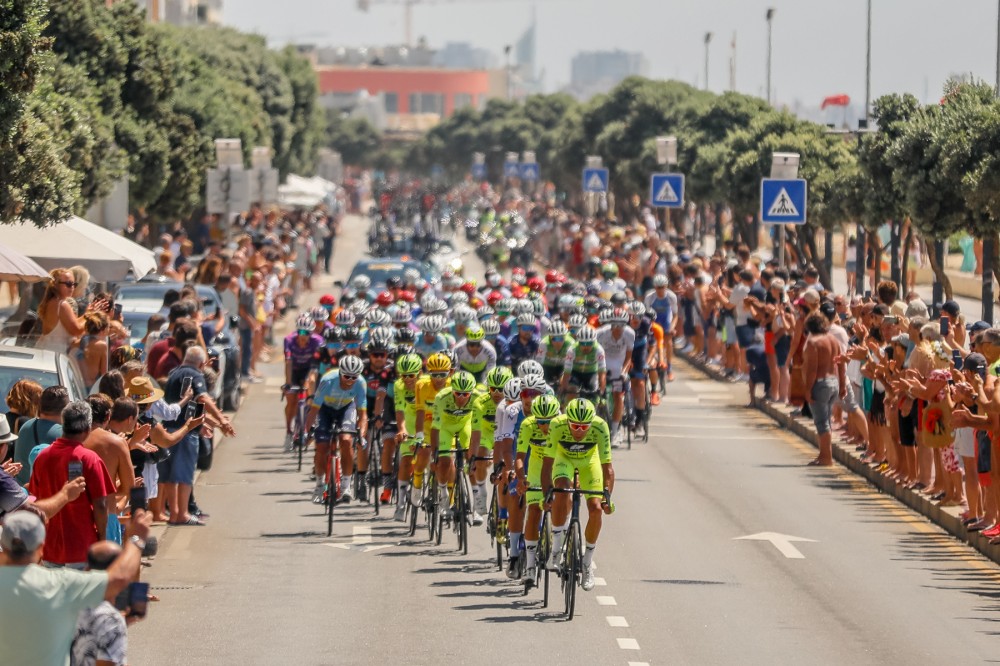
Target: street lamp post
<point x="506" y="55"/>
<point x="708" y="39"/>
<point x="868" y="68"/>
<point x="989" y="243"/>
<point x="770" y="16"/>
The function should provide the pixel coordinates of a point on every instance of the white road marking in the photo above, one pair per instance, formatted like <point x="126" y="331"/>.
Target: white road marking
<point x="362" y="541"/>
<point x="599" y="582"/>
<point x="780" y="541"/>
<point x="628" y="644"/>
<point x="606" y="601"/>
<point x="616" y="621"/>
<point x="726" y="439"/>
<point x="638" y="663"/>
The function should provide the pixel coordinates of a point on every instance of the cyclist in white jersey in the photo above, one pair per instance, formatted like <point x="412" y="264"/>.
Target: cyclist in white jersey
<point x="617" y="339"/>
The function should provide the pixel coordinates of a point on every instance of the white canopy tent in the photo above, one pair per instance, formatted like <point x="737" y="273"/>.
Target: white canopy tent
<point x="298" y="191"/>
<point x="108" y="256"/>
<point x="15" y="267"/>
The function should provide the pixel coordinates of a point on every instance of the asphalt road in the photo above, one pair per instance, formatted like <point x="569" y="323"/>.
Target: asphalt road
<point x="262" y="584"/>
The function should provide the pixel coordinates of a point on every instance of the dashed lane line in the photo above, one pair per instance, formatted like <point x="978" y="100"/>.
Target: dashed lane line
<point x="606" y="601"/>
<point x="628" y="644"/>
<point x="616" y="621"/>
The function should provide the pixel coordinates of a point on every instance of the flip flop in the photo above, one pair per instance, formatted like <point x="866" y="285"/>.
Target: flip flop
<point x="190" y="521"/>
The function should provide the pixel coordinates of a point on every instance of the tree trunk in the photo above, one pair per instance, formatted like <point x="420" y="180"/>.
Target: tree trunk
<point x="824" y="275"/>
<point x="905" y="260"/>
<point x="876" y="244"/>
<point x="939" y="274"/>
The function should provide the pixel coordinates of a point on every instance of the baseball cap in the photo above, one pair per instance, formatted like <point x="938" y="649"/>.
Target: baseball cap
<point x="979" y="327"/>
<point x="23" y="532"/>
<point x="950" y="308"/>
<point x="974" y="362"/>
<point x="12" y="495"/>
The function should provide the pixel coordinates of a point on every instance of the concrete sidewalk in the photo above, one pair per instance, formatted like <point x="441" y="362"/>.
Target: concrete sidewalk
<point x="945" y="517"/>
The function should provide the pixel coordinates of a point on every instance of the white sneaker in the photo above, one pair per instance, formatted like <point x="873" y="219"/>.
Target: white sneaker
<point x="477" y="519"/>
<point x="288" y="441"/>
<point x="400" y="514"/>
<point x="318" y="493"/>
<point x="588" y="579"/>
<point x="415" y="495"/>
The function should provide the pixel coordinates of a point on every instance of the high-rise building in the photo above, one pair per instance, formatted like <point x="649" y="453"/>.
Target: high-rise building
<point x="595" y="72"/>
<point x="188" y="12"/>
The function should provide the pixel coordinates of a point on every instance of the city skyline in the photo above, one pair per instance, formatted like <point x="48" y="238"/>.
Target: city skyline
<point x="819" y="47"/>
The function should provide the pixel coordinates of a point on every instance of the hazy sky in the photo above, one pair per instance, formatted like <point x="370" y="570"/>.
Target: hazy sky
<point x="819" y="45"/>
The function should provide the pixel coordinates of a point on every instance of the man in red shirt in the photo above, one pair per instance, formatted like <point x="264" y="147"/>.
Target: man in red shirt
<point x="84" y="520"/>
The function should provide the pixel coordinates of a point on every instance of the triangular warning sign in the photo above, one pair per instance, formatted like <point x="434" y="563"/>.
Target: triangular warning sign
<point x="666" y="194"/>
<point x="596" y="183"/>
<point x="783" y="206"/>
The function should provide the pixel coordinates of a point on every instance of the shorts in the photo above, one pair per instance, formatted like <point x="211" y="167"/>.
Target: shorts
<point x="849" y="403"/>
<point x="824" y="393"/>
<point x="782" y="347"/>
<point x="533" y="464"/>
<point x="965" y="442"/>
<point x="638" y="370"/>
<point x="769" y="343"/>
<point x="336" y="421"/>
<point x="552" y="373"/>
<point x="878" y="407"/>
<point x="745" y="335"/>
<point x="408" y="448"/>
<point x="729" y="335"/>
<point x="446" y="439"/>
<point x="591" y="472"/>
<point x="908" y="426"/>
<point x="586" y="381"/>
<point x="300" y="375"/>
<point x="180" y="466"/>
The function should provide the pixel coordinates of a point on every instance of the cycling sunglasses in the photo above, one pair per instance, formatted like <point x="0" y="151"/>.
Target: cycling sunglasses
<point x="410" y="376"/>
<point x="347" y="377"/>
<point x="528" y="329"/>
<point x="586" y="343"/>
<point x="579" y="427"/>
<point x="333" y="345"/>
<point x="461" y="394"/>
<point x="304" y="331"/>
<point x="440" y="375"/>
<point x="556" y="338"/>
<point x="375" y="354"/>
<point x="328" y="308"/>
<point x="352" y="345"/>
<point x="542" y="422"/>
<point x="473" y="344"/>
<point x="530" y="394"/>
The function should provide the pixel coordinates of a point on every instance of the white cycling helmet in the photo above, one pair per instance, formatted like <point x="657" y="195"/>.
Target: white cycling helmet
<point x="586" y="334"/>
<point x="577" y="321"/>
<point x="304" y="322"/>
<point x="529" y="367"/>
<point x="345" y="318"/>
<point x="660" y="280"/>
<point x="431" y="324"/>
<point x="378" y="317"/>
<point x="534" y="383"/>
<point x="491" y="327"/>
<point x="512" y="389"/>
<point x="361" y="282"/>
<point x="526" y="319"/>
<point x="351" y="365"/>
<point x="401" y="315"/>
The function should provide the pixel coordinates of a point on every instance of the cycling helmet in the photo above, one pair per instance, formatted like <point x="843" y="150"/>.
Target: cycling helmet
<point x="567" y="302"/>
<point x="385" y="298"/>
<point x="409" y="364"/>
<point x="637" y="308"/>
<point x="407" y="296"/>
<point x="469" y="287"/>
<point x="431" y="324"/>
<point x="376" y="317"/>
<point x="577" y="321"/>
<point x="380" y="339"/>
<point x="545" y="407"/>
<point x="411" y="275"/>
<point x="557" y="328"/>
<point x="604" y="316"/>
<point x="438" y="363"/>
<point x="491" y="327"/>
<point x="498" y="377"/>
<point x="592" y="304"/>
<point x="538" y="307"/>
<point x="352" y="334"/>
<point x="526" y="319"/>
<point x="512" y="389"/>
<point x="494" y="298"/>
<point x="580" y="410"/>
<point x="405" y="336"/>
<point x="517" y="275"/>
<point x="458" y="298"/>
<point x="319" y="313"/>
<point x="435" y="306"/>
<point x="536" y="284"/>
<point x="394" y="282"/>
<point x="660" y="280"/>
<point x="493" y="279"/>
<point x="401" y="315"/>
<point x="427" y="299"/>
<point x="358" y="307"/>
<point x="332" y="335"/>
<point x="327" y="299"/>
<point x="351" y="365"/>
<point x="361" y="282"/>
<point x="586" y="334"/>
<point x="345" y="318"/>
<point x="475" y="333"/>
<point x="534" y="383"/>
<point x="304" y="322"/>
<point x="529" y="367"/>
<point x="618" y="299"/>
<point x="463" y="315"/>
<point x="484" y="312"/>
<point x="463" y="382"/>
<point x="523" y="306"/>
<point x="552" y="276"/>
<point x="609" y="269"/>
<point x="619" y="316"/>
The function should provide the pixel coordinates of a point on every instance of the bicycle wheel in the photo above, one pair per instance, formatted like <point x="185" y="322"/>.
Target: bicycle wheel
<point x="542" y="557"/>
<point x="300" y="444"/>
<point x="331" y="492"/>
<point x="375" y="471"/>
<point x="430" y="505"/>
<point x="461" y="515"/>
<point x="493" y="527"/>
<point x="413" y="509"/>
<point x="439" y="519"/>
<point x="572" y="567"/>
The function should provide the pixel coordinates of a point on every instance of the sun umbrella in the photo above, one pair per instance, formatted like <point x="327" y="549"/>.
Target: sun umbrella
<point x="15" y="267"/>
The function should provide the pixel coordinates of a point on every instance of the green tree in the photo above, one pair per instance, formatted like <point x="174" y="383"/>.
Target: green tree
<point x="356" y="139"/>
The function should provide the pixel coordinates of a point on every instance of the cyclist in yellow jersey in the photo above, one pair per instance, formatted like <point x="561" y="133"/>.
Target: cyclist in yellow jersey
<point x="484" y="410"/>
<point x="581" y="440"/>
<point x="437" y="378"/>
<point x="452" y="424"/>
<point x="532" y="442"/>
<point x="408" y="369"/>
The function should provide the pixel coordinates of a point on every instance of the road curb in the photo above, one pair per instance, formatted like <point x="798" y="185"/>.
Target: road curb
<point x="946" y="518"/>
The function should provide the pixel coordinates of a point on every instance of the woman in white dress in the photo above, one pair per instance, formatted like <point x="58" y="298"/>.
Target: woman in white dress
<point x="58" y="312"/>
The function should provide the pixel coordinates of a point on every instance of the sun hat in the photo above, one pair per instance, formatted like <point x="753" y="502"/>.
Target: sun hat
<point x="141" y="390"/>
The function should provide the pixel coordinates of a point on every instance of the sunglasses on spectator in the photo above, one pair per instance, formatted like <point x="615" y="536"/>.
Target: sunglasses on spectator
<point x="440" y="375"/>
<point x="71" y="285"/>
<point x="461" y="394"/>
<point x="579" y="427"/>
<point x="348" y="378"/>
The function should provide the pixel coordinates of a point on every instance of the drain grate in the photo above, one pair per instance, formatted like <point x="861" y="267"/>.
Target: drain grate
<point x="175" y="588"/>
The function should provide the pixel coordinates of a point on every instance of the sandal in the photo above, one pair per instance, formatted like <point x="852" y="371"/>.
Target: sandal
<point x="190" y="521"/>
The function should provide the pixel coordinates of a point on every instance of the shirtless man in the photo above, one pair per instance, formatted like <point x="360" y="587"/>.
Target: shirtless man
<point x="113" y="450"/>
<point x="825" y="380"/>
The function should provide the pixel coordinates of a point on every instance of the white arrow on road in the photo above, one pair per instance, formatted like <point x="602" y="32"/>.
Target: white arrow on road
<point x="362" y="541"/>
<point x="783" y="542"/>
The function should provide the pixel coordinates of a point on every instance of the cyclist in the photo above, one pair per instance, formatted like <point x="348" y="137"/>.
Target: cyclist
<point x="552" y="352"/>
<point x="617" y="340"/>
<point x="380" y="378"/>
<point x="585" y="368"/>
<point x="579" y="440"/>
<point x="474" y="354"/>
<point x="452" y="423"/>
<point x="360" y="284"/>
<point x="408" y="368"/>
<point x="611" y="282"/>
<point x="321" y="319"/>
<point x="484" y="412"/>
<point x="641" y="350"/>
<point x="326" y="358"/>
<point x="437" y="378"/>
<point x="352" y="341"/>
<point x="532" y="442"/>
<point x="301" y="350"/>
<point x="338" y="407"/>
<point x="662" y="301"/>
<point x="431" y="339"/>
<point x="524" y="344"/>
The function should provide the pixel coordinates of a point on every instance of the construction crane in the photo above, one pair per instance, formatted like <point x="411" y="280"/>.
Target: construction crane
<point x="365" y="5"/>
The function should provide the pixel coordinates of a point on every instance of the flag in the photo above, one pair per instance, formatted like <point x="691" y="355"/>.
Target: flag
<point x="835" y="100"/>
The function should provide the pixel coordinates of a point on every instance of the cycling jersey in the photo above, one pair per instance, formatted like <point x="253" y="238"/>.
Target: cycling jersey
<point x="330" y="394"/>
<point x="479" y="364"/>
<point x="326" y="360"/>
<point x="616" y="350"/>
<point x="440" y="343"/>
<point x="452" y="420"/>
<point x="664" y="308"/>
<point x="383" y="379"/>
<point x="522" y="351"/>
<point x="425" y="393"/>
<point x="406" y="402"/>
<point x="484" y="419"/>
<point x="586" y="455"/>
<point x="508" y="421"/>
<point x="549" y="356"/>
<point x="583" y="359"/>
<point x="533" y="443"/>
<point x="608" y="288"/>
<point x="302" y="356"/>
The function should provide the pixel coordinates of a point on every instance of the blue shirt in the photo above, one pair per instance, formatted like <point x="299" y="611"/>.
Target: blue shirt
<point x="330" y="394"/>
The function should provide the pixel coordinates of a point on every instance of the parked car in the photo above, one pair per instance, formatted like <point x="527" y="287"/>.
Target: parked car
<point x="380" y="270"/>
<point x="46" y="367"/>
<point x="141" y="299"/>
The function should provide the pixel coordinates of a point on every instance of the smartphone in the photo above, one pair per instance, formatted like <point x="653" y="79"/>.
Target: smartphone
<point x="199" y="410"/>
<point x="982" y="372"/>
<point x="138" y="598"/>
<point x="190" y="410"/>
<point x="945" y="325"/>
<point x="75" y="468"/>
<point x="185" y="385"/>
<point x="956" y="357"/>
<point x="868" y="295"/>
<point x="118" y="311"/>
<point x="137" y="498"/>
<point x="891" y="320"/>
<point x="890" y="352"/>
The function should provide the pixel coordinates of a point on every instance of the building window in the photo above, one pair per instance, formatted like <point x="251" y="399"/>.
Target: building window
<point x="414" y="102"/>
<point x="391" y="102"/>
<point x="462" y="100"/>
<point x="432" y="103"/>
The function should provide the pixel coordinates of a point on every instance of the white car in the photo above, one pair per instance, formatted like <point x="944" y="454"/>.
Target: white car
<point x="48" y="368"/>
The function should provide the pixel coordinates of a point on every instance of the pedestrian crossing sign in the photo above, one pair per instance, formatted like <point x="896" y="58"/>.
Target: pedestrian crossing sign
<point x="666" y="190"/>
<point x="595" y="180"/>
<point x="783" y="201"/>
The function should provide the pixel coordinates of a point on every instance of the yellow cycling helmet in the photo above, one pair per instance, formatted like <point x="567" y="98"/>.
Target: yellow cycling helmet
<point x="438" y="362"/>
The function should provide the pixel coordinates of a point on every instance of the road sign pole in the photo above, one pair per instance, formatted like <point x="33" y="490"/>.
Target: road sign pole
<point x="781" y="245"/>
